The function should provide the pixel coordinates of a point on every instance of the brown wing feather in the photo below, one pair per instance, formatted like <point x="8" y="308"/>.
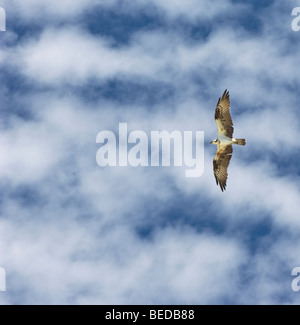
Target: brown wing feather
<point x="222" y="115"/>
<point x="220" y="163"/>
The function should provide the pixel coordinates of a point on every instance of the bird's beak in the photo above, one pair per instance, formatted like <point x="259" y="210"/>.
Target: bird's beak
<point x="210" y="141"/>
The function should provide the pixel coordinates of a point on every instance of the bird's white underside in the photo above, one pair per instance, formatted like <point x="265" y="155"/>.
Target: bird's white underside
<point x="225" y="140"/>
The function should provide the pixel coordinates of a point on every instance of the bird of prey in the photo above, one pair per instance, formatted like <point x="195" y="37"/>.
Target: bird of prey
<point x="224" y="140"/>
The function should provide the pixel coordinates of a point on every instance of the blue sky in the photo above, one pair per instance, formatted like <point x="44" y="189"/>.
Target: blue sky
<point x="74" y="233"/>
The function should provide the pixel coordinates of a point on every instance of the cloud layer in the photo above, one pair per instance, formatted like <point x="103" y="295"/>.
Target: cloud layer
<point x="74" y="233"/>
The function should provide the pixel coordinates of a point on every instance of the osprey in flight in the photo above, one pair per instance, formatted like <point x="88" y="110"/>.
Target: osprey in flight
<point x="224" y="140"/>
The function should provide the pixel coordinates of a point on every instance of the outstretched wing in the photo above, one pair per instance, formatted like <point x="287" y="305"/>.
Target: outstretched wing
<point x="222" y="116"/>
<point x="220" y="163"/>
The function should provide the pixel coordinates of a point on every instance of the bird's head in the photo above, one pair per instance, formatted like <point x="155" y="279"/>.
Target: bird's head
<point x="214" y="142"/>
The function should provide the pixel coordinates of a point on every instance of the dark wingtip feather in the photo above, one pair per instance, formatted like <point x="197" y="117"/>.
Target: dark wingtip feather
<point x="225" y="94"/>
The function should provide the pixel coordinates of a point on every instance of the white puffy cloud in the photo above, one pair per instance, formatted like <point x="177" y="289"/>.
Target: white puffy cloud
<point x="69" y="229"/>
<point x="188" y="267"/>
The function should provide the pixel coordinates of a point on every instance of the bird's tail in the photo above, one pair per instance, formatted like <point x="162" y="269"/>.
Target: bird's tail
<point x="241" y="142"/>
